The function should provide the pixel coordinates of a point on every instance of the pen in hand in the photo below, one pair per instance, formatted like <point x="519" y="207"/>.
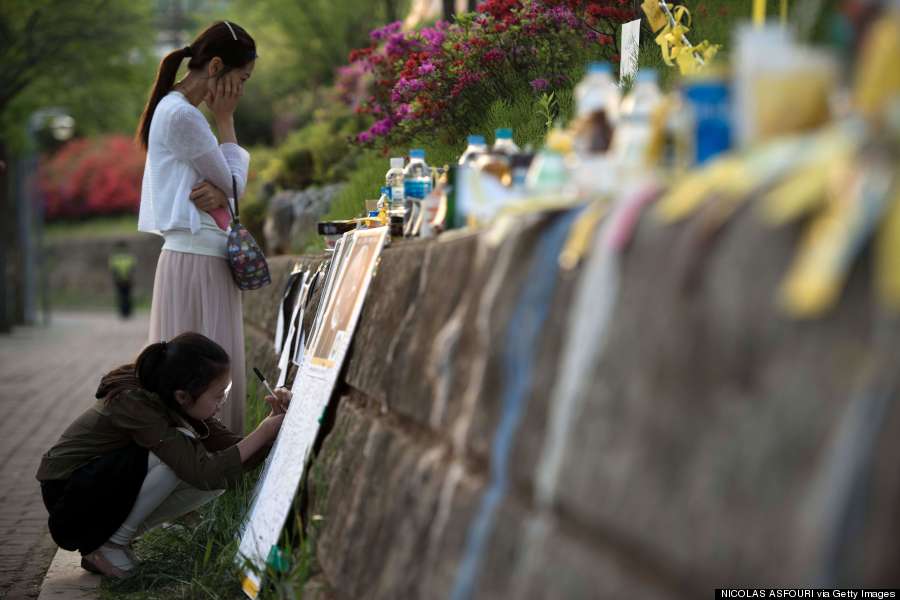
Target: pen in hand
<point x="268" y="388"/>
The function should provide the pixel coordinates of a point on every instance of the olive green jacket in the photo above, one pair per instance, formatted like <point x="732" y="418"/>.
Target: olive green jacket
<point x="209" y="461"/>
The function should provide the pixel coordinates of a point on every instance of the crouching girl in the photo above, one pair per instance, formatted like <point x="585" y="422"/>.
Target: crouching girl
<point x="149" y="450"/>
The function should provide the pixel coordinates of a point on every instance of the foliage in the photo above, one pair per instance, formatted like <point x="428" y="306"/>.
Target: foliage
<point x="362" y="184"/>
<point x="93" y="57"/>
<point x="317" y="154"/>
<point x="440" y="78"/>
<point x="91" y="177"/>
<point x="300" y="45"/>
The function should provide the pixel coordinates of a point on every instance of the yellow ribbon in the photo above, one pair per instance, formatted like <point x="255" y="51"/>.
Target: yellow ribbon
<point x="695" y="188"/>
<point x="655" y="16"/>
<point x="581" y="235"/>
<point x="672" y="39"/>
<point x="835" y="238"/>
<point x="887" y="255"/>
<point x="759" y="12"/>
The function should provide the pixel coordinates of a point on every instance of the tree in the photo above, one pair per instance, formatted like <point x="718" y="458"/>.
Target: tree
<point x="92" y="55"/>
<point x="311" y="38"/>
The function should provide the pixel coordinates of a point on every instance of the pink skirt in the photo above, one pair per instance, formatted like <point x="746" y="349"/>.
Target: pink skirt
<point x="193" y="292"/>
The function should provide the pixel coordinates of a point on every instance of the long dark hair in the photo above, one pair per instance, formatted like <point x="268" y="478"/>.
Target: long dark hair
<point x="189" y="362"/>
<point x="227" y="40"/>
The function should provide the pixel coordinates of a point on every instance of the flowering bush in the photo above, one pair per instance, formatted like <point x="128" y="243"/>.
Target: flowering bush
<point x="88" y="177"/>
<point x="439" y="78"/>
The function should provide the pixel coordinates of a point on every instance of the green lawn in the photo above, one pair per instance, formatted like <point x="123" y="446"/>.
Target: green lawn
<point x="91" y="228"/>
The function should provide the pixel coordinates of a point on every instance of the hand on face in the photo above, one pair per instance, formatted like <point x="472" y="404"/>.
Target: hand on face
<point x="223" y="94"/>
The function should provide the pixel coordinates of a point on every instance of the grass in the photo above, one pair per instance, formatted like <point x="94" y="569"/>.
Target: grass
<point x="91" y="300"/>
<point x="91" y="228"/>
<point x="195" y="562"/>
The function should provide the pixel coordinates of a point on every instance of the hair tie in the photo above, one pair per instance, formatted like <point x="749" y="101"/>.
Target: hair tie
<point x="187" y="51"/>
<point x="164" y="346"/>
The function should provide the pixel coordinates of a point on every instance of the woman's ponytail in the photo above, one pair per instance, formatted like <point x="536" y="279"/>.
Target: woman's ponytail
<point x="165" y="80"/>
<point x="149" y="364"/>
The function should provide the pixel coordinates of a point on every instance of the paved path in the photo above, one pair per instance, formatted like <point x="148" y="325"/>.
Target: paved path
<point x="48" y="376"/>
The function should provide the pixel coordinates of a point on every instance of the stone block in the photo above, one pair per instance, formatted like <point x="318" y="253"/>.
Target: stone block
<point x="381" y="484"/>
<point x="386" y="319"/>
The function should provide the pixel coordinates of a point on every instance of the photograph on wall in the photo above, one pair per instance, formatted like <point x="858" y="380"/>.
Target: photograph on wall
<point x="333" y="334"/>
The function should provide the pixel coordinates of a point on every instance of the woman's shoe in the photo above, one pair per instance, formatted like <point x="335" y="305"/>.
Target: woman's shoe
<point x="109" y="560"/>
<point x="89" y="566"/>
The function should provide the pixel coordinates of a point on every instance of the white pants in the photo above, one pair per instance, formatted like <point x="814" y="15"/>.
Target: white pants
<point x="163" y="497"/>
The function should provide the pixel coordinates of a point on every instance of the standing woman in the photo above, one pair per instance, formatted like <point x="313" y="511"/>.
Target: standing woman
<point x="185" y="195"/>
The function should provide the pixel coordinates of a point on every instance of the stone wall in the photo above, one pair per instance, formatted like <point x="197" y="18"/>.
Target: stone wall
<point x="489" y="442"/>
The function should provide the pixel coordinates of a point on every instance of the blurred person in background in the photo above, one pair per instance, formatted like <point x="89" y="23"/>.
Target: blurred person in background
<point x="188" y="179"/>
<point x="121" y="266"/>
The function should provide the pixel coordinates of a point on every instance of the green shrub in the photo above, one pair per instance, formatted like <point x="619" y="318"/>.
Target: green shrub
<point x="317" y="154"/>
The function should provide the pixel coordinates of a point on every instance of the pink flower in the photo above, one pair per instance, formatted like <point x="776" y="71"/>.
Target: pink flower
<point x="381" y="128"/>
<point x="403" y="111"/>
<point x="382" y="33"/>
<point x="539" y="84"/>
<point x="494" y="55"/>
<point x="434" y="36"/>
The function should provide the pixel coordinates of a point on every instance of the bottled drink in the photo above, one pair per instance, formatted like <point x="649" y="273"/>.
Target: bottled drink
<point x="431" y="207"/>
<point x="499" y="161"/>
<point x="598" y="89"/>
<point x="416" y="176"/>
<point x="634" y="130"/>
<point x="597" y="107"/>
<point x="394" y="182"/>
<point x="549" y="173"/>
<point x="503" y="143"/>
<point x="384" y="200"/>
<point x="519" y="165"/>
<point x="476" y="148"/>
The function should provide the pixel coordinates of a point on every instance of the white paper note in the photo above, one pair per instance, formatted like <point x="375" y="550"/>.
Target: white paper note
<point x="631" y="42"/>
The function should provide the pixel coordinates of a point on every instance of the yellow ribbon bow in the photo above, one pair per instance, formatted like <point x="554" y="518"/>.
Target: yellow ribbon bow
<point x="673" y="26"/>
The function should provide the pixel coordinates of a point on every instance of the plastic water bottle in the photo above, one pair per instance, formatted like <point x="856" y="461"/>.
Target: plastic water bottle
<point x="384" y="200"/>
<point x="632" y="136"/>
<point x="503" y="143"/>
<point x="394" y="181"/>
<point x="476" y="148"/>
<point x="416" y="176"/>
<point x="498" y="162"/>
<point x="598" y="89"/>
<point x="598" y="101"/>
